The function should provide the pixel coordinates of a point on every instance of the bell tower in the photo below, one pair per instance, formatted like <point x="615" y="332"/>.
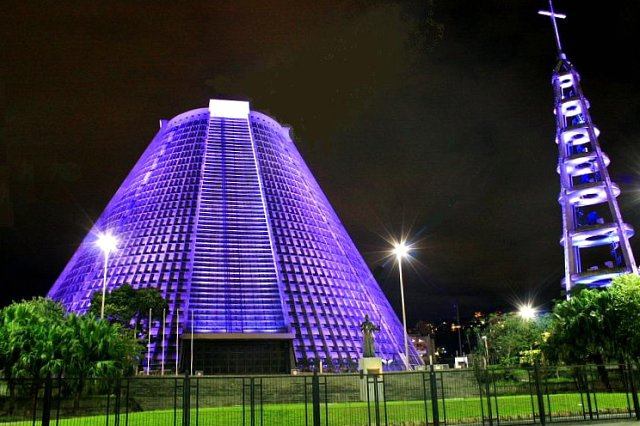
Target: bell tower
<point x="594" y="236"/>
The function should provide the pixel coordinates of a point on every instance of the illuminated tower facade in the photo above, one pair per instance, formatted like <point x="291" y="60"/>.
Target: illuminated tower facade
<point x="595" y="237"/>
<point x="222" y="215"/>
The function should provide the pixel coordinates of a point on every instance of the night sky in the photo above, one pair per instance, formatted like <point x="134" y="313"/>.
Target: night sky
<point x="430" y="118"/>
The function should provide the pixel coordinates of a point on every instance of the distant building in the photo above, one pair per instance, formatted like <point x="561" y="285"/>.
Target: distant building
<point x="223" y="216"/>
<point x="426" y="347"/>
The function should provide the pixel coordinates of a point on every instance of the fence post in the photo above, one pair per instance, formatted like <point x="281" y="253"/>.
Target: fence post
<point x="315" y="398"/>
<point x="252" y="399"/>
<point x="46" y="403"/>
<point x="186" y="400"/>
<point x="583" y="370"/>
<point x="487" y="388"/>
<point x="540" y="397"/>
<point x="634" y="392"/>
<point x="126" y="403"/>
<point x="424" y="397"/>
<point x="116" y="408"/>
<point x="175" y="401"/>
<point x="376" y="396"/>
<point x="434" y="395"/>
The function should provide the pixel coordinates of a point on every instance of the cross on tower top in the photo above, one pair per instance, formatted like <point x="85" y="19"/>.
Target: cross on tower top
<point x="550" y="13"/>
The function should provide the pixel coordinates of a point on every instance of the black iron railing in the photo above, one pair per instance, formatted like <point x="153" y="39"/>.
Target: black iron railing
<point x="491" y="396"/>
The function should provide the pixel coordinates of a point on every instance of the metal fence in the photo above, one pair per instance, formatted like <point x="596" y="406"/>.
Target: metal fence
<point x="492" y="396"/>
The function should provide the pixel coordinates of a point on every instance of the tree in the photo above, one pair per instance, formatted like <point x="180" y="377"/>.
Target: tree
<point x="597" y="326"/>
<point x="149" y="299"/>
<point x="128" y="306"/>
<point x="30" y="333"/>
<point x="511" y="340"/>
<point x="625" y="295"/>
<point x="119" y="304"/>
<point x="97" y="349"/>
<point x="37" y="339"/>
<point x="579" y="331"/>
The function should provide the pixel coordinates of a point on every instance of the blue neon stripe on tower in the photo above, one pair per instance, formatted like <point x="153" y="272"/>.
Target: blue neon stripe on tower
<point x="223" y="216"/>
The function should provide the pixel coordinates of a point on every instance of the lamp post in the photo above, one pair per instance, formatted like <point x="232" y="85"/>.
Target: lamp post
<point x="486" y="351"/>
<point x="401" y="250"/>
<point x="107" y="244"/>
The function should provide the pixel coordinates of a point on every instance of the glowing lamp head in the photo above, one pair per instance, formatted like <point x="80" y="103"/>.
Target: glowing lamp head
<point x="401" y="250"/>
<point x="527" y="312"/>
<point x="107" y="243"/>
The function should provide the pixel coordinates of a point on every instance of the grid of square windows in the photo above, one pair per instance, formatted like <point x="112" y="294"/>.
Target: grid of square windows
<point x="328" y="286"/>
<point x="234" y="284"/>
<point x="224" y="217"/>
<point x="153" y="217"/>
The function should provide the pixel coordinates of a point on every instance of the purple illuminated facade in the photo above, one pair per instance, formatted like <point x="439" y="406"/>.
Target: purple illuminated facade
<point x="223" y="216"/>
<point x="595" y="237"/>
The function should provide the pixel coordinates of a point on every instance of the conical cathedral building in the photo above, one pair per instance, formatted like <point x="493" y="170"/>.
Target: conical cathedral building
<point x="222" y="215"/>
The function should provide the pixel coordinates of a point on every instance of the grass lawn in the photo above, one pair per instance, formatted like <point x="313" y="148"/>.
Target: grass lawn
<point x="456" y="410"/>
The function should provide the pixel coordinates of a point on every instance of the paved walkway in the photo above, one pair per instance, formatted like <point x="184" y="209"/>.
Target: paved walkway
<point x="621" y="422"/>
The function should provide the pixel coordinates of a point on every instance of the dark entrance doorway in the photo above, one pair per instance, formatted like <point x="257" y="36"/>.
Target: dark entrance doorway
<point x="230" y="356"/>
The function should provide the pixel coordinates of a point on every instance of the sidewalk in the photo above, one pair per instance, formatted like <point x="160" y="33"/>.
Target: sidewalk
<point x="620" y="422"/>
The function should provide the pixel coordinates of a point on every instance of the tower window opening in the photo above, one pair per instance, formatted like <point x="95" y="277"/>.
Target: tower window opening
<point x="577" y="119"/>
<point x="591" y="216"/>
<point x="583" y="179"/>
<point x="601" y="257"/>
<point x="578" y="149"/>
<point x="567" y="92"/>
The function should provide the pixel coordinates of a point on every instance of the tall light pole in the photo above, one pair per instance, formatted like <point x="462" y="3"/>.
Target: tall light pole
<point x="107" y="244"/>
<point x="401" y="250"/>
<point x="486" y="351"/>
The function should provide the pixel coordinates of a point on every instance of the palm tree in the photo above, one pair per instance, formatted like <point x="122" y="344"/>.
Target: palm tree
<point x="30" y="337"/>
<point x="38" y="340"/>
<point x="97" y="349"/>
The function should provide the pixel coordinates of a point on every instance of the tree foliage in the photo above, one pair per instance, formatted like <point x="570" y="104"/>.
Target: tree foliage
<point x="128" y="306"/>
<point x="511" y="340"/>
<point x="30" y="337"/>
<point x="597" y="326"/>
<point x="97" y="348"/>
<point x="37" y="339"/>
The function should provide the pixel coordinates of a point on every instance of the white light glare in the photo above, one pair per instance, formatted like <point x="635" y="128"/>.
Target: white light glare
<point x="107" y="242"/>
<point x="527" y="312"/>
<point x="401" y="250"/>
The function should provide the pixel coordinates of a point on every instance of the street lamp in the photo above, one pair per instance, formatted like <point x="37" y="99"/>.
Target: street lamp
<point x="527" y="312"/>
<point x="401" y="250"/>
<point x="107" y="243"/>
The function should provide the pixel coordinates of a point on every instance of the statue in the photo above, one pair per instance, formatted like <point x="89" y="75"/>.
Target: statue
<point x="368" y="347"/>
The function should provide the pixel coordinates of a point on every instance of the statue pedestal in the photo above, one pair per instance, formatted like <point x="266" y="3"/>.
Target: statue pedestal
<point x="371" y="379"/>
<point x="370" y="365"/>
